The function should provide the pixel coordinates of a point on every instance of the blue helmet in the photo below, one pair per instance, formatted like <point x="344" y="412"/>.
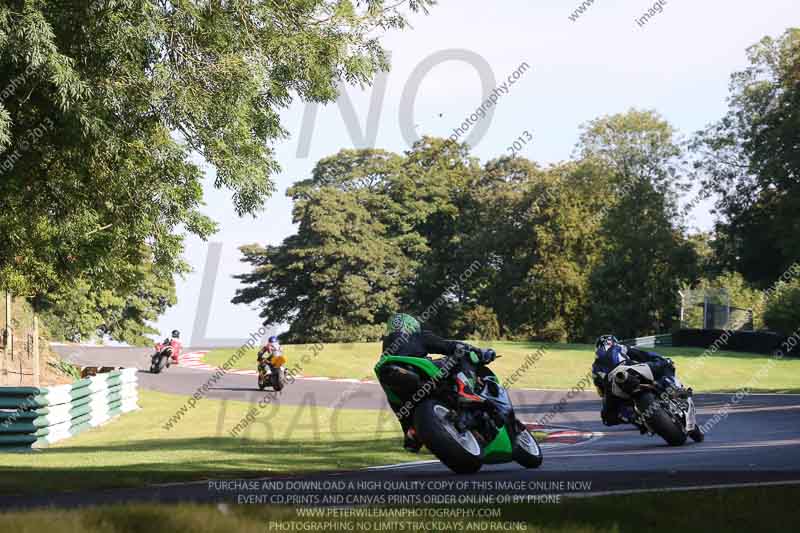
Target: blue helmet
<point x="273" y="339"/>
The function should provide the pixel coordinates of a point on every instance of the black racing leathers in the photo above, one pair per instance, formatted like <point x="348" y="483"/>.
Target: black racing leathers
<point x="418" y="344"/>
<point x="423" y="344"/>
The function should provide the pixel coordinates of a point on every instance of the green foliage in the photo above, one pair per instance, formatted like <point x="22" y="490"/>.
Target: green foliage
<point x="504" y="250"/>
<point x="782" y="310"/>
<point x="740" y="293"/>
<point x="104" y="110"/>
<point x="645" y="254"/>
<point x="120" y="309"/>
<point x="750" y="163"/>
<point x="339" y="277"/>
<point x="65" y="369"/>
<point x="479" y="322"/>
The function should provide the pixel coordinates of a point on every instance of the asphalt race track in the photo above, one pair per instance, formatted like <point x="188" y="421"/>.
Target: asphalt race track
<point x="758" y="442"/>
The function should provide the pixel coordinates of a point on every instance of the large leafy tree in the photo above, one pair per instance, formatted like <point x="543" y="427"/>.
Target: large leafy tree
<point x="435" y="189"/>
<point x="106" y="102"/>
<point x="645" y="256"/>
<point x="750" y="163"/>
<point x="342" y="274"/>
<point x="536" y="237"/>
<point x="377" y="232"/>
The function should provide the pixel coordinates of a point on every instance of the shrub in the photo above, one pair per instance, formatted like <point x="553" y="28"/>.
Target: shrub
<point x="782" y="311"/>
<point x="480" y="322"/>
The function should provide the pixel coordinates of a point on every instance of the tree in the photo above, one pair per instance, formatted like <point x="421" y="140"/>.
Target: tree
<point x="377" y="232"/>
<point x="645" y="256"/>
<point x="538" y="237"/>
<point x="107" y="104"/>
<point x="782" y="310"/>
<point x="750" y="162"/>
<point x="120" y="309"/>
<point x="434" y="189"/>
<point x="341" y="275"/>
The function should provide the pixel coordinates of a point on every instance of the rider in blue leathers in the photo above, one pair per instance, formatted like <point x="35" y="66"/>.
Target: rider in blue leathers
<point x="611" y="353"/>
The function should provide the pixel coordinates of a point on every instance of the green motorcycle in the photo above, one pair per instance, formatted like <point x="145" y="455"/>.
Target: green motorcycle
<point x="463" y="437"/>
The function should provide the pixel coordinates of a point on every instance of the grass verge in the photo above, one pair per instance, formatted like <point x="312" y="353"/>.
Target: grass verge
<point x="560" y="367"/>
<point x="757" y="509"/>
<point x="135" y="450"/>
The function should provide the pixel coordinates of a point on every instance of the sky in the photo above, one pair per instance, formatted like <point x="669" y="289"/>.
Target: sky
<point x="678" y="63"/>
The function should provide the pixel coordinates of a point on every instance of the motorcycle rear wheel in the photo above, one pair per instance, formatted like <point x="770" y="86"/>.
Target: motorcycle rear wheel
<point x="459" y="451"/>
<point x="659" y="421"/>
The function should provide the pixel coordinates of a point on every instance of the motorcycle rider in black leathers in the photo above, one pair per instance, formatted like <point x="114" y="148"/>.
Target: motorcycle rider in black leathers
<point x="611" y="353"/>
<point x="405" y="337"/>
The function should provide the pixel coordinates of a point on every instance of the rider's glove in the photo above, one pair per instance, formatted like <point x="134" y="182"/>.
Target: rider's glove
<point x="488" y="356"/>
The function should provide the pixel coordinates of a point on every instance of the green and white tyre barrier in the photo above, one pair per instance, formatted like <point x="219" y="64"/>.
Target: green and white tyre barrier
<point x="36" y="417"/>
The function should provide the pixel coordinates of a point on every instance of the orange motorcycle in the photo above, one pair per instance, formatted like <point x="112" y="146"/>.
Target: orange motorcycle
<point x="272" y="372"/>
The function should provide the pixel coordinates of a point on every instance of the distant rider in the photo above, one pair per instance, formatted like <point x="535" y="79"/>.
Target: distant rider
<point x="611" y="353"/>
<point x="173" y="344"/>
<point x="271" y="349"/>
<point x="405" y="337"/>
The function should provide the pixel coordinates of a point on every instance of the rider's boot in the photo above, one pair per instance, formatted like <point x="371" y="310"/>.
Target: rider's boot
<point x="411" y="442"/>
<point x="627" y="414"/>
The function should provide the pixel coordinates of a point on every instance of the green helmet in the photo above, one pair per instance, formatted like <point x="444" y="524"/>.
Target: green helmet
<point x="402" y="323"/>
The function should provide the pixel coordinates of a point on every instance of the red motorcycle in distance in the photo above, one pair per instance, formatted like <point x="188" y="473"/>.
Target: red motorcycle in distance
<point x="167" y="352"/>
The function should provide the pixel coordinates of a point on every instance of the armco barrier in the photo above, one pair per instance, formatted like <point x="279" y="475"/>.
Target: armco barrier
<point x="32" y="417"/>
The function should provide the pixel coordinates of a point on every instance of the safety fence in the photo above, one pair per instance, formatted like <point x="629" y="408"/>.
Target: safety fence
<point x="33" y="417"/>
<point x="651" y="342"/>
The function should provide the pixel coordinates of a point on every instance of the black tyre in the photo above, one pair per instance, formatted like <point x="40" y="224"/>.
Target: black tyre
<point x="460" y="452"/>
<point x="276" y="377"/>
<point x="659" y="421"/>
<point x="155" y="367"/>
<point x="526" y="450"/>
<point x="162" y="363"/>
<point x="697" y="434"/>
<point x="262" y="381"/>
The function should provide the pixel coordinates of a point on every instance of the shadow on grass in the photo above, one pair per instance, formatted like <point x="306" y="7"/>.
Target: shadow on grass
<point x="234" y="458"/>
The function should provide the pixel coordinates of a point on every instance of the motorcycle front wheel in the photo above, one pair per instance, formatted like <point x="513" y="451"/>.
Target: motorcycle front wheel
<point x="277" y="379"/>
<point x="659" y="421"/>
<point x="459" y="451"/>
<point x="526" y="450"/>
